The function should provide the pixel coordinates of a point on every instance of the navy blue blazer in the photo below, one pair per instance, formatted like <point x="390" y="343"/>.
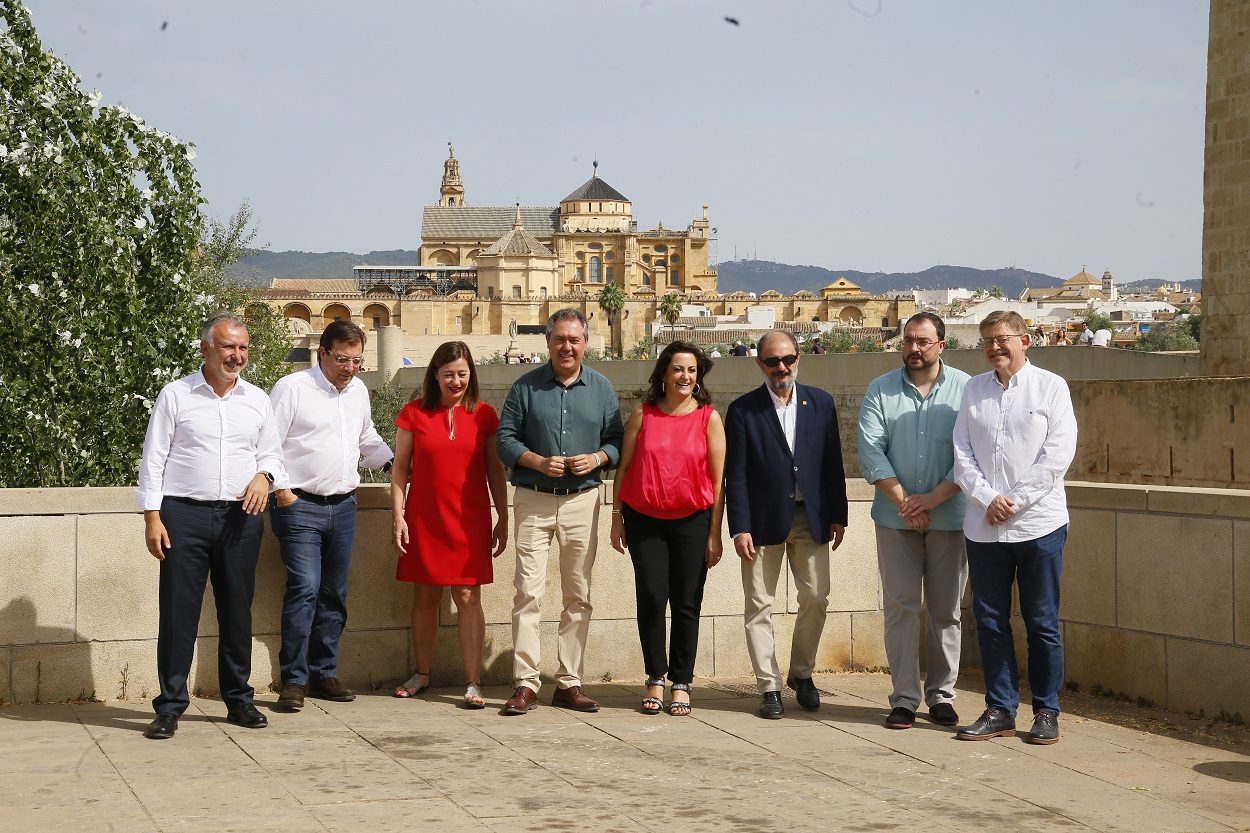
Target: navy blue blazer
<point x="761" y="473"/>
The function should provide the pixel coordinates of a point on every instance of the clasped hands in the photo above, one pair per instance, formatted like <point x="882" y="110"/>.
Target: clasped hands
<point x="579" y="464"/>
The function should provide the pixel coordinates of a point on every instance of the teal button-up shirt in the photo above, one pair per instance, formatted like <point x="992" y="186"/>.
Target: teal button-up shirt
<point x="543" y="416"/>
<point x="906" y="436"/>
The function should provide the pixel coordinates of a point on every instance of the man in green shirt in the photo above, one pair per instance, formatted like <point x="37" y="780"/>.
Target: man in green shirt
<point x="906" y="425"/>
<point x="560" y="428"/>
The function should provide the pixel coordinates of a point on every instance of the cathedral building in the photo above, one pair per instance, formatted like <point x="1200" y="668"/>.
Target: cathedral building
<point x="483" y="267"/>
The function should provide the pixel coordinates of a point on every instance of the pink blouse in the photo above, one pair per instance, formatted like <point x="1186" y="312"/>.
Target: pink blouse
<point x="668" y="477"/>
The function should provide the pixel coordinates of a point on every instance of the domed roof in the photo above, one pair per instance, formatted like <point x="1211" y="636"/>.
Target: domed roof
<point x="596" y="189"/>
<point x="1083" y="278"/>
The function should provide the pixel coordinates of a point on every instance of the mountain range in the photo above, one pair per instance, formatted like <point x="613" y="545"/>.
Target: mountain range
<point x="733" y="276"/>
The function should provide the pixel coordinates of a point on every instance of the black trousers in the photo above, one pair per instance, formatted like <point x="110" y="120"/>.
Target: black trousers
<point x="221" y="542"/>
<point x="670" y="571"/>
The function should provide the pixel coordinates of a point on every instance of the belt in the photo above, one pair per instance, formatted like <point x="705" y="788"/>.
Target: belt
<point x="324" y="499"/>
<point x="551" y="490"/>
<point x="211" y="504"/>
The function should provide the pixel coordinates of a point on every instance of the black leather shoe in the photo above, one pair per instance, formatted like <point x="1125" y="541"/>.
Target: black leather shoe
<point x="771" y="708"/>
<point x="247" y="716"/>
<point x="992" y="724"/>
<point x="1045" y="728"/>
<point x="900" y="718"/>
<point x="163" y="727"/>
<point x="943" y="714"/>
<point x="805" y="692"/>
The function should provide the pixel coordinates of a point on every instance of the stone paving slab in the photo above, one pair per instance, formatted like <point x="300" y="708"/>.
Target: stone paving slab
<point x="380" y="764"/>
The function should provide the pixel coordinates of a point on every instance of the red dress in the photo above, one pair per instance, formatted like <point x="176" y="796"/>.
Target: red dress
<point x="448" y="507"/>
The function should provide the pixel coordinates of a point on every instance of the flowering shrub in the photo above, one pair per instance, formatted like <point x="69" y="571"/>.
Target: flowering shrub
<point x="99" y="222"/>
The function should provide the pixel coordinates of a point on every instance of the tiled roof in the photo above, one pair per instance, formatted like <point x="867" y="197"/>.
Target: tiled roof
<point x="517" y="241"/>
<point x="596" y="189"/>
<point x="476" y="222"/>
<point x="315" y="286"/>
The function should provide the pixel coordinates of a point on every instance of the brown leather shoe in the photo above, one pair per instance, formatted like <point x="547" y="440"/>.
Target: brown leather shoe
<point x="573" y="698"/>
<point x="331" y="689"/>
<point x="291" y="697"/>
<point x="521" y="701"/>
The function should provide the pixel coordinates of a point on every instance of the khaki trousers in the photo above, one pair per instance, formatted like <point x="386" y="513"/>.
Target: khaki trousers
<point x="572" y="521"/>
<point x="909" y="561"/>
<point x="809" y="565"/>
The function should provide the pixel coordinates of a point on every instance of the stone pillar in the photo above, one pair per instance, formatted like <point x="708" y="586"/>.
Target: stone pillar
<point x="390" y="351"/>
<point x="1226" y="194"/>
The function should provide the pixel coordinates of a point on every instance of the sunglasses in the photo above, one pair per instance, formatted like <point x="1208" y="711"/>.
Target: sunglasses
<point x="773" y="361"/>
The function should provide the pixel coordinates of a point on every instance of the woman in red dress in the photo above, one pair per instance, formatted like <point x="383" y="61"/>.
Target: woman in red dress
<point x="448" y="470"/>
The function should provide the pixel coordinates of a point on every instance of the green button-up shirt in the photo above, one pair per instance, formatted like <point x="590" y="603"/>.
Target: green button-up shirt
<point x="545" y="417"/>
<point x="910" y="437"/>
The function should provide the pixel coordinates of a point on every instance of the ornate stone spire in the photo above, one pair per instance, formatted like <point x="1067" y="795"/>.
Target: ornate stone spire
<point x="452" y="192"/>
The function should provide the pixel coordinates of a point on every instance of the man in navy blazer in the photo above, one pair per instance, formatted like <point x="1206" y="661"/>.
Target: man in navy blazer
<point x="785" y="494"/>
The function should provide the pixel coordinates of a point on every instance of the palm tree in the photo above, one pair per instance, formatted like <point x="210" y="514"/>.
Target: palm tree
<point x="670" y="310"/>
<point x="612" y="300"/>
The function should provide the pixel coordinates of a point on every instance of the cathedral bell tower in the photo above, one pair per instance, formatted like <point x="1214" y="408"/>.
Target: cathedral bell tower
<point x="452" y="192"/>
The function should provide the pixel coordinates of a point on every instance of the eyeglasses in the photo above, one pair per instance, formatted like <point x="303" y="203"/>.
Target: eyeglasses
<point x="920" y="344"/>
<point x="773" y="361"/>
<point x="356" y="360"/>
<point x="1001" y="341"/>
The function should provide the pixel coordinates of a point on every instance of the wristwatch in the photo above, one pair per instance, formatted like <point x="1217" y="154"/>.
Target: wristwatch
<point x="389" y="463"/>
<point x="268" y="477"/>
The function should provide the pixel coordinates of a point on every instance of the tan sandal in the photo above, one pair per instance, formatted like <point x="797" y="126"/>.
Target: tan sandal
<point x="413" y="687"/>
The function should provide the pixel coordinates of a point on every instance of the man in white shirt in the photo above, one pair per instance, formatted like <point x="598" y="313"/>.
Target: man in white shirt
<point x="1102" y="338"/>
<point x="325" y="425"/>
<point x="1015" y="437"/>
<point x="210" y="457"/>
<point x="1086" y="337"/>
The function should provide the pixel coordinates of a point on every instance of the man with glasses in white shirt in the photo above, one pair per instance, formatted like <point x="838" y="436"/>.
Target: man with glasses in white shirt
<point x="325" y="425"/>
<point x="210" y="457"/>
<point x="1014" y="440"/>
<point x="785" y="491"/>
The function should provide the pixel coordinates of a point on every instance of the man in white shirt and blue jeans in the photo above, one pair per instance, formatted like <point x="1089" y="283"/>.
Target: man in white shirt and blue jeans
<point x="325" y="425"/>
<point x="1015" y="437"/>
<point x="210" y="457"/>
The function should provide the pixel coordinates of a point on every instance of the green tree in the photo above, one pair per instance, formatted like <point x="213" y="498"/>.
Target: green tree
<point x="1192" y="324"/>
<point x="996" y="292"/>
<point x="99" y="221"/>
<point x="670" y="310"/>
<point x="1161" y="338"/>
<point x="1097" y="321"/>
<point x="612" y="300"/>
<point x="645" y="347"/>
<point x="223" y="243"/>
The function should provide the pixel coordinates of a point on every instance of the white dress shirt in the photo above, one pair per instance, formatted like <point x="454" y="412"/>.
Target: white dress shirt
<point x="324" y="432"/>
<point x="1016" y="441"/>
<point x="207" y="447"/>
<point x="788" y="415"/>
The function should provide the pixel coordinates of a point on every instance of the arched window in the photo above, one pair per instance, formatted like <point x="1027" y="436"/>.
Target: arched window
<point x="595" y="271"/>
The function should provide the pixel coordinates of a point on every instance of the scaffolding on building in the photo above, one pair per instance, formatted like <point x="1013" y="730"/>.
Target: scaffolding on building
<point x="441" y="281"/>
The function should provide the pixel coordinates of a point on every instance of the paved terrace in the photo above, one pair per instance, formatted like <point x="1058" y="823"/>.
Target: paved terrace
<point x="381" y="764"/>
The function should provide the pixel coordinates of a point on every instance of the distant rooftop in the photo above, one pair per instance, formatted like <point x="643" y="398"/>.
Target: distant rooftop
<point x="440" y="222"/>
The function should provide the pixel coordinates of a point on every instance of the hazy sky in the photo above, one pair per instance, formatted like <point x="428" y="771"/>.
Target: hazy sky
<point x="886" y="135"/>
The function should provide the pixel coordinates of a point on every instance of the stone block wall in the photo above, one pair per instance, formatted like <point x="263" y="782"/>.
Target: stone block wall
<point x="1156" y="602"/>
<point x="1226" y="193"/>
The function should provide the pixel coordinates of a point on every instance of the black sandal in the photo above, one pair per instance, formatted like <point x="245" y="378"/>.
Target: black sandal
<point x="652" y="705"/>
<point x="677" y="708"/>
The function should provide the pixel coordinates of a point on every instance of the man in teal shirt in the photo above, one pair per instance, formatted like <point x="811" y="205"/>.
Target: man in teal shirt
<point x="906" y="451"/>
<point x="559" y="430"/>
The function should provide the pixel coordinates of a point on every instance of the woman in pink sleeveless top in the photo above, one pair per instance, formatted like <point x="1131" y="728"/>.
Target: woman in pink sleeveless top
<point x="667" y="510"/>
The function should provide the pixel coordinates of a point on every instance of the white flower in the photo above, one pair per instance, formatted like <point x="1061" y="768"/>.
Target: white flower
<point x="141" y="223"/>
<point x="190" y="155"/>
<point x="4" y="151"/>
<point x="34" y="289"/>
<point x="94" y="99"/>
<point x="147" y="193"/>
